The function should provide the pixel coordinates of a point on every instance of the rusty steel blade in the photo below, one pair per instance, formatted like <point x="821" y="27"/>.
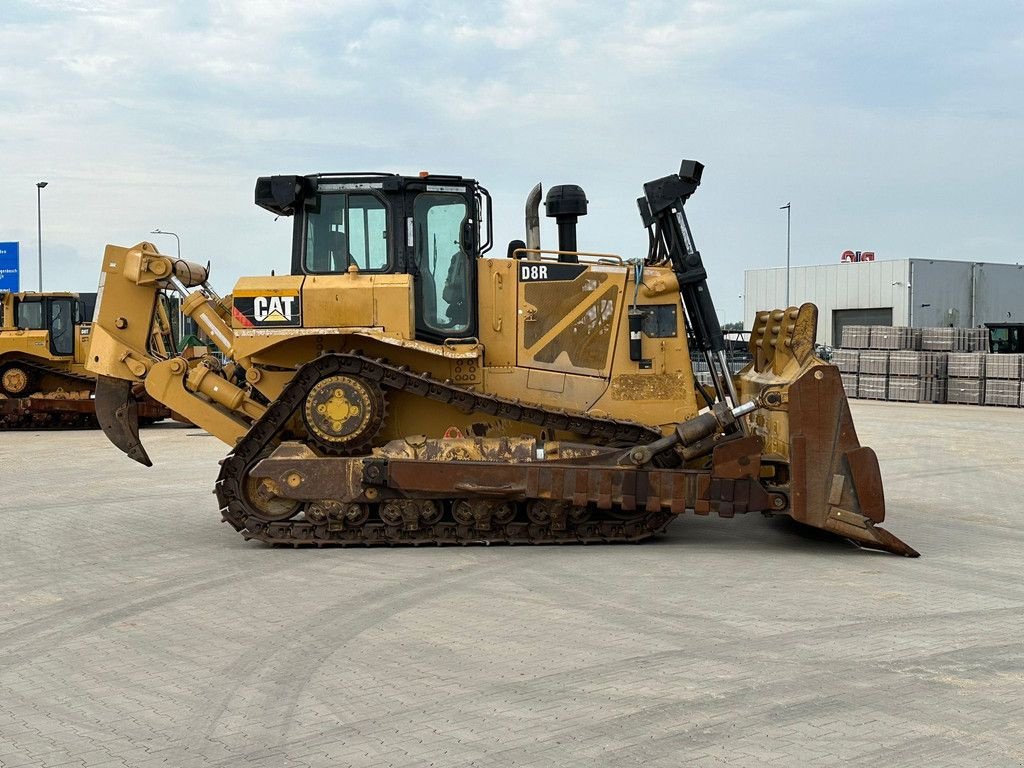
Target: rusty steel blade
<point x="118" y="414"/>
<point x="832" y="481"/>
<point x="836" y="482"/>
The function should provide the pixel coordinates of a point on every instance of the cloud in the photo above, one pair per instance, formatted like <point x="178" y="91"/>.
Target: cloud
<point x="520" y="25"/>
<point x="880" y="121"/>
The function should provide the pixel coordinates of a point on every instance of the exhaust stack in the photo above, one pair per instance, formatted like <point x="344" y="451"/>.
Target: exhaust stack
<point x="533" y="218"/>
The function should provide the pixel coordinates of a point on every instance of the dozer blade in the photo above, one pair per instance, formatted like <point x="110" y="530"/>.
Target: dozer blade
<point x="833" y="482"/>
<point x="836" y="484"/>
<point x="118" y="414"/>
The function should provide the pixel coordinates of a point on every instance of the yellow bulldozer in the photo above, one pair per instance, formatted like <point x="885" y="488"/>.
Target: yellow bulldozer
<point x="400" y="386"/>
<point x="44" y="340"/>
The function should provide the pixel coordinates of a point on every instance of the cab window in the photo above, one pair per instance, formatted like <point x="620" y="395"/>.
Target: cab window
<point x="346" y="230"/>
<point x="444" y="275"/>
<point x="999" y="340"/>
<point x="62" y="338"/>
<point x="30" y="316"/>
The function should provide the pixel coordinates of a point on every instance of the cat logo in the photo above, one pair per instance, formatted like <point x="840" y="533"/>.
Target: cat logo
<point x="272" y="309"/>
<point x="261" y="311"/>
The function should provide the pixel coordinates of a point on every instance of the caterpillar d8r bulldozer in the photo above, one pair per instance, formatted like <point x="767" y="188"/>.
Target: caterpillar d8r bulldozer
<point x="44" y="340"/>
<point x="397" y="387"/>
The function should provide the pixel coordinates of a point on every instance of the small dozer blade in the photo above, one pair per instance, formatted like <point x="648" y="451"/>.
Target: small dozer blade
<point x="118" y="414"/>
<point x="833" y="482"/>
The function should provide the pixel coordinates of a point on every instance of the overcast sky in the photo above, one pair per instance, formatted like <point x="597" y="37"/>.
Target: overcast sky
<point x="890" y="126"/>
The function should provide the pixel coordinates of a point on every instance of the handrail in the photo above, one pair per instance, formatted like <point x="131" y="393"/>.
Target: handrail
<point x="544" y="252"/>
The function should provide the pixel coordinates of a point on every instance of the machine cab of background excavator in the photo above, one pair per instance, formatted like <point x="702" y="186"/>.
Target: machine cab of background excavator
<point x="1005" y="338"/>
<point x="433" y="228"/>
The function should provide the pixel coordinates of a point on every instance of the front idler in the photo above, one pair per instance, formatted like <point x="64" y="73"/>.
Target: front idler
<point x="117" y="411"/>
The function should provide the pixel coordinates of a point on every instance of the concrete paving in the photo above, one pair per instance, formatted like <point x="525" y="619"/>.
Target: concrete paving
<point x="137" y="630"/>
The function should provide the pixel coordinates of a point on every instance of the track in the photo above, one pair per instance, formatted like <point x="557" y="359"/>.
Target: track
<point x="57" y="410"/>
<point x="580" y="524"/>
<point x="47" y="413"/>
<point x="51" y="409"/>
<point x="56" y="370"/>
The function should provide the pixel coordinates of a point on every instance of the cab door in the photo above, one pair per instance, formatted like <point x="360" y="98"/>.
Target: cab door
<point x="61" y="325"/>
<point x="443" y="243"/>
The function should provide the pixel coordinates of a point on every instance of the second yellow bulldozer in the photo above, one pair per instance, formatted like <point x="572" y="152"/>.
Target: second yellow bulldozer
<point x="400" y="387"/>
<point x="44" y="340"/>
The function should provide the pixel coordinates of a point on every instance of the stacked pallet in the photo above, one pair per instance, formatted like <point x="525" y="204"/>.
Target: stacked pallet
<point x="954" y="339"/>
<point x="927" y="365"/>
<point x="848" y="362"/>
<point x="966" y="378"/>
<point x="1003" y="375"/>
<point x="920" y="365"/>
<point x="894" y="337"/>
<point x="856" y="337"/>
<point x="938" y="339"/>
<point x="917" y="377"/>
<point x="874" y="374"/>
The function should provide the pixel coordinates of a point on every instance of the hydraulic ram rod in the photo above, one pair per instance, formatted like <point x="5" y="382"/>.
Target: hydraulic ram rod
<point x="662" y="207"/>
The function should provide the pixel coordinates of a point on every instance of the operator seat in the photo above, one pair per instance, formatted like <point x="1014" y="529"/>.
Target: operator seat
<point x="340" y="259"/>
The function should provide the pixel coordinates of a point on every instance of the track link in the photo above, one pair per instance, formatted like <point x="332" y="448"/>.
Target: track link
<point x="588" y="526"/>
<point x="54" y="370"/>
<point x="32" y="413"/>
<point x="40" y="410"/>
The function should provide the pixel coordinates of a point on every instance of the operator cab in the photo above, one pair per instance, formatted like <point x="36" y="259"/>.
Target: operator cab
<point x="431" y="227"/>
<point x="59" y="314"/>
<point x="1005" y="338"/>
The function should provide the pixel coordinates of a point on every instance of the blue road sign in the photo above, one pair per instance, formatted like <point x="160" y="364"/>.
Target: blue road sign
<point x="9" y="277"/>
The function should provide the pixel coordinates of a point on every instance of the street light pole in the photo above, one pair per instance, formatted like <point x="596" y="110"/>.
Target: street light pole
<point x="787" y="209"/>
<point x="39" y="228"/>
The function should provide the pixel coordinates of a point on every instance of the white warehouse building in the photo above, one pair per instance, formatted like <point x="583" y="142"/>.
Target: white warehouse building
<point x="914" y="292"/>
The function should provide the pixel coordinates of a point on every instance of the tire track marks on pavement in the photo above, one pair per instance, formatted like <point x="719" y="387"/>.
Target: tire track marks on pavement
<point x="286" y="666"/>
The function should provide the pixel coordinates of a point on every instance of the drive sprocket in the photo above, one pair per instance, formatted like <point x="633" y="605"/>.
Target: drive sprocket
<point x="15" y="380"/>
<point x="342" y="413"/>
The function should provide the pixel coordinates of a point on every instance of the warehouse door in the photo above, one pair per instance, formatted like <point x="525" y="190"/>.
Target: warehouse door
<point x="844" y="317"/>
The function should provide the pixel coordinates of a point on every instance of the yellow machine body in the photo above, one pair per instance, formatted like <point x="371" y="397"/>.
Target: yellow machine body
<point x="400" y="386"/>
